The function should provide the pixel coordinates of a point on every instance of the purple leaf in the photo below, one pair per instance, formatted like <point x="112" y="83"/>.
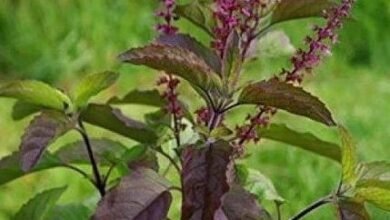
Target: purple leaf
<point x="295" y="9"/>
<point x="204" y="179"/>
<point x="287" y="97"/>
<point x="349" y="210"/>
<point x="175" y="60"/>
<point x="143" y="195"/>
<point x="114" y="120"/>
<point x="42" y="131"/>
<point x="239" y="204"/>
<point x="187" y="42"/>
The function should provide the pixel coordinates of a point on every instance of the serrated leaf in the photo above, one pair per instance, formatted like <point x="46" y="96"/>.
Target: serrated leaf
<point x="37" y="93"/>
<point x="21" y="110"/>
<point x="146" y="97"/>
<point x="175" y="60"/>
<point x="92" y="85"/>
<point x="69" y="212"/>
<point x="287" y="97"/>
<point x="305" y="141"/>
<point x="375" y="193"/>
<point x="142" y="195"/>
<point x="261" y="186"/>
<point x="239" y="204"/>
<point x="105" y="151"/>
<point x="113" y="119"/>
<point x="187" y="42"/>
<point x="348" y="157"/>
<point x="199" y="13"/>
<point x="204" y="179"/>
<point x="42" y="131"/>
<point x="296" y="9"/>
<point x="349" y="210"/>
<point x="39" y="206"/>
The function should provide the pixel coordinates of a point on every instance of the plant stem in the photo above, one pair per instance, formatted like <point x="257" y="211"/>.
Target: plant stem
<point x="99" y="183"/>
<point x="81" y="172"/>
<point x="312" y="207"/>
<point x="171" y="160"/>
<point x="279" y="214"/>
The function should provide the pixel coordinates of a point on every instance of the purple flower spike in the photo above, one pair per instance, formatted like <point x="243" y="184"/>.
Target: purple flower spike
<point x="168" y="15"/>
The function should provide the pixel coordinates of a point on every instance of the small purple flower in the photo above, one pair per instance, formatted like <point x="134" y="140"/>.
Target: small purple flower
<point x="168" y="15"/>
<point x="319" y="45"/>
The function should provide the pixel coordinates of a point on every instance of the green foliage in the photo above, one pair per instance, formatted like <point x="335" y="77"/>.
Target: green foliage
<point x="92" y="85"/>
<point x="37" y="93"/>
<point x="306" y="141"/>
<point x="69" y="212"/>
<point x="349" y="158"/>
<point x="39" y="206"/>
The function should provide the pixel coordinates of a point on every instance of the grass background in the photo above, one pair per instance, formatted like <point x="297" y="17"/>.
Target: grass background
<point x="60" y="41"/>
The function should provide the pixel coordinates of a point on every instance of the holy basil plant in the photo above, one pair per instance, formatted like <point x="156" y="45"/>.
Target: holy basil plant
<point x="211" y="181"/>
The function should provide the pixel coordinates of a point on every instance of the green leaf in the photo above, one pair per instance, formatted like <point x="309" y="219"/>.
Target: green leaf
<point x="147" y="97"/>
<point x="106" y="152"/>
<point x="113" y="119"/>
<point x="377" y="194"/>
<point x="69" y="212"/>
<point x="295" y="9"/>
<point x="287" y="97"/>
<point x="92" y="85"/>
<point x="42" y="131"/>
<point x="199" y="13"/>
<point x="261" y="186"/>
<point x="21" y="110"/>
<point x="348" y="157"/>
<point x="39" y="206"/>
<point x="305" y="141"/>
<point x="37" y="93"/>
<point x="379" y="170"/>
<point x="10" y="166"/>
<point x="175" y="60"/>
<point x="350" y="210"/>
<point x="141" y="195"/>
<point x="187" y="42"/>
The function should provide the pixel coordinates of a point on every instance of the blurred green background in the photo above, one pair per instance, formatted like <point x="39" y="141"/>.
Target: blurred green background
<point x="59" y="41"/>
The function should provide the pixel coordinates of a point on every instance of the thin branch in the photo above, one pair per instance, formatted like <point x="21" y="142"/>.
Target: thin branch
<point x="312" y="207"/>
<point x="108" y="174"/>
<point x="171" y="160"/>
<point x="230" y="107"/>
<point x="99" y="183"/>
<point x="81" y="172"/>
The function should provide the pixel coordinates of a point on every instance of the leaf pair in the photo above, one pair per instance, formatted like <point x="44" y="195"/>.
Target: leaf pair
<point x="366" y="182"/>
